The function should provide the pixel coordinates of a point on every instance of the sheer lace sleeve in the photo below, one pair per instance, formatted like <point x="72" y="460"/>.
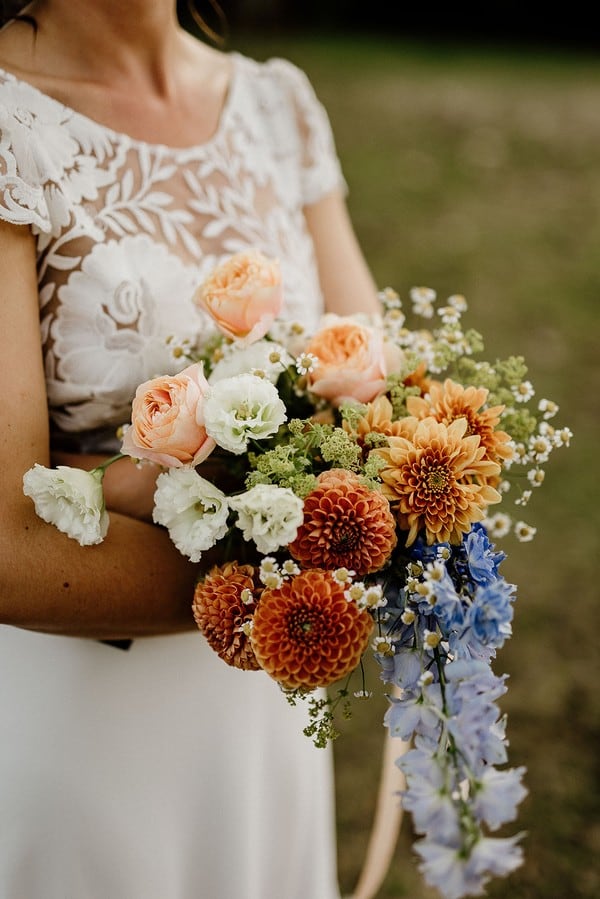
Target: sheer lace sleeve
<point x="22" y="196"/>
<point x="321" y="170"/>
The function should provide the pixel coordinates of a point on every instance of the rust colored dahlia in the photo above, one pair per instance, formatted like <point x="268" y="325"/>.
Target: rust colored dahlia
<point x="437" y="479"/>
<point x="448" y="401"/>
<point x="220" y="611"/>
<point x="307" y="634"/>
<point x="346" y="525"/>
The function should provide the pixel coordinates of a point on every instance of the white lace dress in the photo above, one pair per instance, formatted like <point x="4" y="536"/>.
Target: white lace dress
<point x="157" y="772"/>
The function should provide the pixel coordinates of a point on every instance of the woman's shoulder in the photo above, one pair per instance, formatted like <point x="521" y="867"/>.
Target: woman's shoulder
<point x="277" y="71"/>
<point x="280" y="86"/>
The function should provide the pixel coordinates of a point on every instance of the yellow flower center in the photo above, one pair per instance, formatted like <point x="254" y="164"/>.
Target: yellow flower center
<point x="437" y="479"/>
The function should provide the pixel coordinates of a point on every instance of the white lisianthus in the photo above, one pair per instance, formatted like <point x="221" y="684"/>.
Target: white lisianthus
<point x="242" y="408"/>
<point x="269" y="515"/>
<point x="264" y="355"/>
<point x="192" y="509"/>
<point x="71" y="499"/>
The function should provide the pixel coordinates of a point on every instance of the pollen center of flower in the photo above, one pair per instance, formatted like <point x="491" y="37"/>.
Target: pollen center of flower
<point x="344" y="539"/>
<point x="436" y="479"/>
<point x="304" y="626"/>
<point x="243" y="411"/>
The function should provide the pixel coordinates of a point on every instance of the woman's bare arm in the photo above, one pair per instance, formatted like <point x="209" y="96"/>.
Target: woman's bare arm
<point x="135" y="583"/>
<point x="347" y="283"/>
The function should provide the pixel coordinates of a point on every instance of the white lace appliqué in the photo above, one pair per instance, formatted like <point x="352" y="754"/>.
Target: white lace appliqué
<point x="127" y="230"/>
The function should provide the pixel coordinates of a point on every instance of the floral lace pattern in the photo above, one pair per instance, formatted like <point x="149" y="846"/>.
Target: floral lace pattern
<point x="126" y="230"/>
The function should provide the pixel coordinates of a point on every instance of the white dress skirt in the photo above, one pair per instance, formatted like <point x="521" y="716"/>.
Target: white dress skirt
<point x="156" y="772"/>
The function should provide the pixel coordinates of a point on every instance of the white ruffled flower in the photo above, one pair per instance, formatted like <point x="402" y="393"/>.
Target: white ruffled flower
<point x="71" y="499"/>
<point x="269" y="515"/>
<point x="265" y="355"/>
<point x="192" y="509"/>
<point x="241" y="409"/>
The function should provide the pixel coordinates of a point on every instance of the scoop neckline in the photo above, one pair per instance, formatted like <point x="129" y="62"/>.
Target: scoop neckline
<point x="121" y="136"/>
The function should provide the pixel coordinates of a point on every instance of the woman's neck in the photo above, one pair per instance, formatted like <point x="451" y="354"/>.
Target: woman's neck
<point x="109" y="42"/>
<point x="126" y="64"/>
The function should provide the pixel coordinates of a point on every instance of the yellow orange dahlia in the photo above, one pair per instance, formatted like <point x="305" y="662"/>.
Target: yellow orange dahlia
<point x="346" y="525"/>
<point x="224" y="601"/>
<point x="437" y="479"/>
<point x="307" y="634"/>
<point x="448" y="401"/>
<point x="378" y="419"/>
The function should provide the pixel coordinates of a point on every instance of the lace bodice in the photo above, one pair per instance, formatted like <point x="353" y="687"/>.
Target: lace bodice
<point x="126" y="230"/>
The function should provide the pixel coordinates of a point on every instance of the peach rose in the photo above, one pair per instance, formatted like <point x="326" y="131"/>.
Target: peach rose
<point x="243" y="296"/>
<point x="167" y="420"/>
<point x="351" y="362"/>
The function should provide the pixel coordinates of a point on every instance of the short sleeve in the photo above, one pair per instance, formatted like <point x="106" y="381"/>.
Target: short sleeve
<point x="321" y="172"/>
<point x="22" y="196"/>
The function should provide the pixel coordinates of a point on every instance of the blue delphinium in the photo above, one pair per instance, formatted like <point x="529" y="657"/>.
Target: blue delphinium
<point x="451" y="615"/>
<point x="482" y="559"/>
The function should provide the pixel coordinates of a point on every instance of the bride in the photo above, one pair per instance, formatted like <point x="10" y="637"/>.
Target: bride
<point x="133" y="157"/>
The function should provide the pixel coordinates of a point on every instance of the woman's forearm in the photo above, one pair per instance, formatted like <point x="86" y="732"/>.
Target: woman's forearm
<point x="133" y="584"/>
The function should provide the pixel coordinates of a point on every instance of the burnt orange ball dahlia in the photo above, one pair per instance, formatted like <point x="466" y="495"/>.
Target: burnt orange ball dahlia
<point x="346" y="525"/>
<point x="221" y="608"/>
<point x="307" y="634"/>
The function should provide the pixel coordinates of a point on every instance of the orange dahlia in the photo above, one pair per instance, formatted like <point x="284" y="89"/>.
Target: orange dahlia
<point x="437" y="479"/>
<point x="448" y="401"/>
<point x="224" y="601"/>
<point x="307" y="634"/>
<point x="378" y="419"/>
<point x="346" y="525"/>
<point x="419" y="378"/>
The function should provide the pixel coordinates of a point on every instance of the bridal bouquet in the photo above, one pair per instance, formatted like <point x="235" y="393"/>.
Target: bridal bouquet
<point x="363" y="466"/>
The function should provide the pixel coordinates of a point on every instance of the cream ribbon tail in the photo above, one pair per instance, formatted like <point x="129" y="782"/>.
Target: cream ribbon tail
<point x="386" y="821"/>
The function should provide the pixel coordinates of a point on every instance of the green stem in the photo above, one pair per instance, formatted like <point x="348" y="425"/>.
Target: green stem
<point x="104" y="465"/>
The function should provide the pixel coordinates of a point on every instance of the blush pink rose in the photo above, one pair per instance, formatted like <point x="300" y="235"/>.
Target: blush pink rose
<point x="243" y="296"/>
<point x="350" y="363"/>
<point x="167" y="420"/>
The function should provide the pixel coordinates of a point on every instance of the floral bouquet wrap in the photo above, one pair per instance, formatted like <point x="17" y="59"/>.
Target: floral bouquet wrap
<point x="366" y="468"/>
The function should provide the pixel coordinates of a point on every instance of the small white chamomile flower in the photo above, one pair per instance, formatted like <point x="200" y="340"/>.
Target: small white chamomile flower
<point x="247" y="596"/>
<point x="374" y="598"/>
<point x="383" y="646"/>
<point x="498" y="525"/>
<point x="343" y="575"/>
<point x="306" y="363"/>
<point x="523" y="392"/>
<point x="563" y="437"/>
<point x="524" y="498"/>
<point x="422" y="299"/>
<point x="524" y="532"/>
<point x="535" y="476"/>
<point x="457" y="301"/>
<point x="431" y="639"/>
<point x="272" y="580"/>
<point x="548" y="407"/>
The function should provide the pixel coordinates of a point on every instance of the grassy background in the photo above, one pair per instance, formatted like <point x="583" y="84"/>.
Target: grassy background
<point x="478" y="172"/>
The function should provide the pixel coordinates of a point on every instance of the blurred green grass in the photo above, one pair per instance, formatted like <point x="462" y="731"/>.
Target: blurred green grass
<point x="478" y="172"/>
